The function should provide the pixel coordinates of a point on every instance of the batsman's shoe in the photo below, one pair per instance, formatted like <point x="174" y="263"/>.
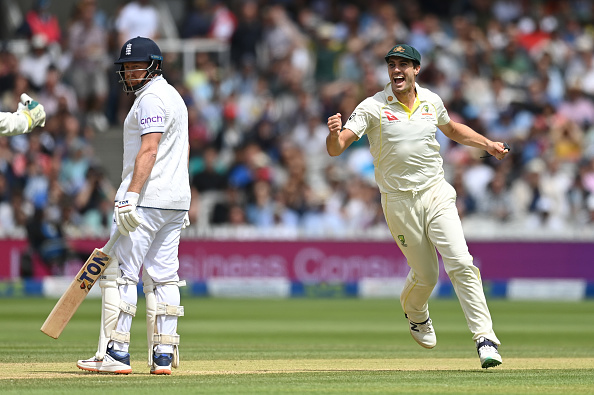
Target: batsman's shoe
<point x="161" y="364"/>
<point x="113" y="362"/>
<point x="487" y="351"/>
<point x="423" y="333"/>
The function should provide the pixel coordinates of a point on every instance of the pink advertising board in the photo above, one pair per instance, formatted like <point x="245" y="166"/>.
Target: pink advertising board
<point x="344" y="261"/>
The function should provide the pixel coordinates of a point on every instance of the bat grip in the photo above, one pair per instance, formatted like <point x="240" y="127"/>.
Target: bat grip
<point x="112" y="240"/>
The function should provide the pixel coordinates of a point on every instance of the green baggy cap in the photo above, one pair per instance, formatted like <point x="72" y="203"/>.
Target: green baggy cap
<point x="404" y="51"/>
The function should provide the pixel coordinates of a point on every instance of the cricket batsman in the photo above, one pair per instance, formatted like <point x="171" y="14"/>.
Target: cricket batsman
<point x="28" y="116"/>
<point x="151" y="209"/>
<point x="418" y="203"/>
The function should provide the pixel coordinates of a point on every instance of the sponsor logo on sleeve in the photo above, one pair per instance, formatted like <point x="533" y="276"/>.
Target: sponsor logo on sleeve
<point x="151" y="121"/>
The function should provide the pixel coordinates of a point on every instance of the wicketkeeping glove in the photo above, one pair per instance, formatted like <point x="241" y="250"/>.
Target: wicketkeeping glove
<point x="127" y="219"/>
<point x="34" y="111"/>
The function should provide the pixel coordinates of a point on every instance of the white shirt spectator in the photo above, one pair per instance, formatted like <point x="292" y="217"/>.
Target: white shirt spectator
<point x="35" y="64"/>
<point x="137" y="18"/>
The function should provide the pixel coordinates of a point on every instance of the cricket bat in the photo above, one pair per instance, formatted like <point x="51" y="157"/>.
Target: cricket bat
<point x="78" y="290"/>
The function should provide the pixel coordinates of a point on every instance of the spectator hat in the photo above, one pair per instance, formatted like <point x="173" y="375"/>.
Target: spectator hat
<point x="39" y="41"/>
<point x="404" y="51"/>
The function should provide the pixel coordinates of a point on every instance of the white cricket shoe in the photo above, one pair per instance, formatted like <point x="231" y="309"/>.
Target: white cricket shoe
<point x="487" y="351"/>
<point x="161" y="363"/>
<point x="113" y="362"/>
<point x="423" y="333"/>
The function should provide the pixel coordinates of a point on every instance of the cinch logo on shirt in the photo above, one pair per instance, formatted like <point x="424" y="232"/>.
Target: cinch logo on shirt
<point x="148" y="120"/>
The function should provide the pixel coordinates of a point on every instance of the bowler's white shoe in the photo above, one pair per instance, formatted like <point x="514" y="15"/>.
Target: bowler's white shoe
<point x="487" y="351"/>
<point x="423" y="333"/>
<point x="113" y="362"/>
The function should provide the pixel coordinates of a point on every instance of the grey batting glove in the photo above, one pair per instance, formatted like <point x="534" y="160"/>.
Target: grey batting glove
<point x="127" y="219"/>
<point x="34" y="112"/>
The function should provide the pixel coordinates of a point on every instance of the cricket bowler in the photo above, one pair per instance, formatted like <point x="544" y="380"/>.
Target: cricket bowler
<point x="418" y="203"/>
<point x="150" y="211"/>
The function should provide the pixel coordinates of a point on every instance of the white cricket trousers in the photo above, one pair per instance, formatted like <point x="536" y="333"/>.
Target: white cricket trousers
<point x="420" y="222"/>
<point x="154" y="244"/>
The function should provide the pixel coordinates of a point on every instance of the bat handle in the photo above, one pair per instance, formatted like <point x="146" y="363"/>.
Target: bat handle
<point x="112" y="240"/>
<point x="26" y="99"/>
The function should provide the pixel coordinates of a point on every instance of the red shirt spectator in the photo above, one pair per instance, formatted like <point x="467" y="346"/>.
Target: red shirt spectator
<point x="41" y="22"/>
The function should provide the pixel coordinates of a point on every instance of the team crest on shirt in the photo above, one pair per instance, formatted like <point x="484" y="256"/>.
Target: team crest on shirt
<point x="427" y="114"/>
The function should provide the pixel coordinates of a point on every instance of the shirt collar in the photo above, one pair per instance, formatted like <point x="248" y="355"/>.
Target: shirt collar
<point x="152" y="81"/>
<point x="391" y="98"/>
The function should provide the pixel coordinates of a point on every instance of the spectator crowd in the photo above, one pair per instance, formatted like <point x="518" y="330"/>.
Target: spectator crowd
<point x="516" y="71"/>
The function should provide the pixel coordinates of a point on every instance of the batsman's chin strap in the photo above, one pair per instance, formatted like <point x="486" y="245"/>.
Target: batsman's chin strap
<point x="505" y="145"/>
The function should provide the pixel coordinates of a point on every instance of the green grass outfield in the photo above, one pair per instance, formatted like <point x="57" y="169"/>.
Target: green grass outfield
<point x="337" y="346"/>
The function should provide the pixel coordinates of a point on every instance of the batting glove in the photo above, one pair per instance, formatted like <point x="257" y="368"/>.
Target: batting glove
<point x="127" y="219"/>
<point x="34" y="112"/>
<point x="186" y="221"/>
